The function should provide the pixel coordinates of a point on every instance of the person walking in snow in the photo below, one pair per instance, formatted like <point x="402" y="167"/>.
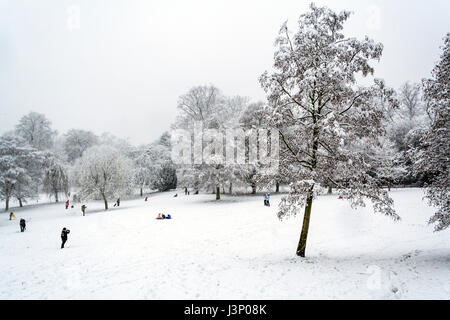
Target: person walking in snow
<point x="267" y="200"/>
<point x="117" y="202"/>
<point x="11" y="215"/>
<point x="22" y="225"/>
<point x="83" y="209"/>
<point x="146" y="198"/>
<point x="64" y="234"/>
<point x="67" y="204"/>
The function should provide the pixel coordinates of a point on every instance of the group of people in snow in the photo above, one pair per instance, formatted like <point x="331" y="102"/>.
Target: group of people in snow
<point x="83" y="207"/>
<point x="162" y="216"/>
<point x="22" y="222"/>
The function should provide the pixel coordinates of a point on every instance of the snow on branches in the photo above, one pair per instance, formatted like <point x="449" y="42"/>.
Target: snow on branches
<point x="322" y="114"/>
<point x="103" y="172"/>
<point x="433" y="153"/>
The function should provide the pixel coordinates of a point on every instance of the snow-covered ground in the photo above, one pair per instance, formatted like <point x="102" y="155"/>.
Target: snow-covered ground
<point x="232" y="249"/>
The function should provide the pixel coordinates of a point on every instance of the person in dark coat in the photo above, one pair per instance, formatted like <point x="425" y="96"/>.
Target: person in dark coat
<point x="64" y="234"/>
<point x="117" y="202"/>
<point x="22" y="225"/>
<point x="83" y="209"/>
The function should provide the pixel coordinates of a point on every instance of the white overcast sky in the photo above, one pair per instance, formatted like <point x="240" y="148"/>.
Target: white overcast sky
<point x="123" y="67"/>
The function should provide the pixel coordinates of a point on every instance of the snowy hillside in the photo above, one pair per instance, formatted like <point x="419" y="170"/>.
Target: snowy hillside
<point x="231" y="249"/>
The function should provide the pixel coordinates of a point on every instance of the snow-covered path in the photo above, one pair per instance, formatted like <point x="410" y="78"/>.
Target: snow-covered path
<point x="232" y="249"/>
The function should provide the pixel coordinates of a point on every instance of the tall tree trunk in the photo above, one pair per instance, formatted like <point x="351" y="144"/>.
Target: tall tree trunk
<point x="330" y="188"/>
<point x="7" y="204"/>
<point x="301" y="248"/>
<point x="389" y="184"/>
<point x="106" y="201"/>
<point x="218" y="193"/>
<point x="277" y="187"/>
<point x="56" y="196"/>
<point x="223" y="189"/>
<point x="142" y="193"/>
<point x="230" y="190"/>
<point x="253" y="188"/>
<point x="20" y="202"/>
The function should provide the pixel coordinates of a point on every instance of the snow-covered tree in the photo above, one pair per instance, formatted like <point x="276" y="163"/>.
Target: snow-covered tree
<point x="201" y="103"/>
<point x="36" y="129"/>
<point x="164" y="140"/>
<point x="56" y="177"/>
<point x="433" y="154"/>
<point x="207" y="107"/>
<point x="387" y="161"/>
<point x="166" y="177"/>
<point x="254" y="117"/>
<point x="76" y="142"/>
<point x="143" y="169"/>
<point x="20" y="166"/>
<point x="410" y="100"/>
<point x="321" y="112"/>
<point x="103" y="172"/>
<point x="153" y="166"/>
<point x="123" y="145"/>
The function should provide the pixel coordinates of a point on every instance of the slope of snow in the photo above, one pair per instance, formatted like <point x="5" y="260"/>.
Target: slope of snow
<point x="232" y="249"/>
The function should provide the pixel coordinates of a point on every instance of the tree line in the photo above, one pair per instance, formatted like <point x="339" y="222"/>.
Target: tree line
<point x="35" y="159"/>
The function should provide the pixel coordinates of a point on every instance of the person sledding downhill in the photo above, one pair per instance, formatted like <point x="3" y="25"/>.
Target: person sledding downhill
<point x="64" y="234"/>
<point x="22" y="225"/>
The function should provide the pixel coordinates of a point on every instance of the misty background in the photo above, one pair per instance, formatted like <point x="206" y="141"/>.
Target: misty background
<point x="120" y="66"/>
